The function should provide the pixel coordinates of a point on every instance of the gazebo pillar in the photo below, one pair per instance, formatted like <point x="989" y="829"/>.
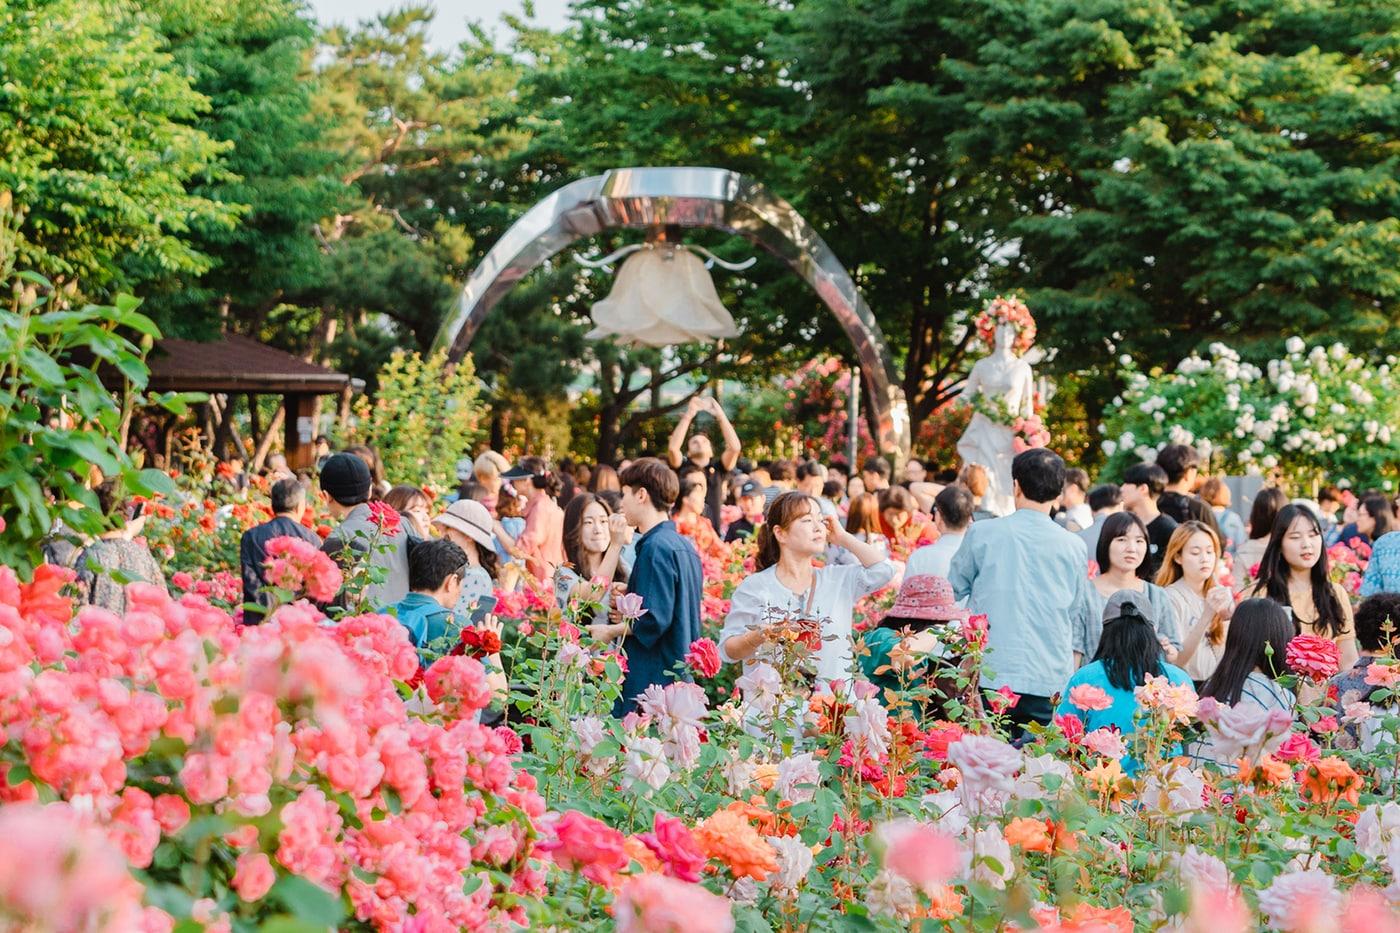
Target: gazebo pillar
<point x="300" y="430"/>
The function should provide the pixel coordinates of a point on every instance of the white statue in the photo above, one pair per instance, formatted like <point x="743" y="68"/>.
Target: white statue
<point x="1001" y="390"/>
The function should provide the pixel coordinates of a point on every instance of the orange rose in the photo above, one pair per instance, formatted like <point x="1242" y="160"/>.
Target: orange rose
<point x="945" y="903"/>
<point x="1062" y="836"/>
<point x="1270" y="772"/>
<point x="1029" y="834"/>
<point x="1087" y="917"/>
<point x="728" y="837"/>
<point x="1329" y="780"/>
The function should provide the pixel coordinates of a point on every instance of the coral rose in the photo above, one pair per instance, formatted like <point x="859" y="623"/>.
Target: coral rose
<point x="1090" y="698"/>
<point x="1313" y="657"/>
<point x="728" y="837"/>
<point x="1031" y="835"/>
<point x="588" y="846"/>
<point x="253" y="876"/>
<point x="1329" y="780"/>
<point x="675" y="847"/>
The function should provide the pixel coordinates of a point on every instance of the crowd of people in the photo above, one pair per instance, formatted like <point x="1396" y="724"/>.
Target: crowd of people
<point x="1103" y="584"/>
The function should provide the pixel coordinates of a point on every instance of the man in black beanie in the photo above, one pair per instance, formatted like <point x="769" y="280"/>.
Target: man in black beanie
<point x="345" y="488"/>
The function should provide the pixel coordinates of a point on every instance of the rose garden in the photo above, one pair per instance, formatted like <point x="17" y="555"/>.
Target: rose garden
<point x="348" y="380"/>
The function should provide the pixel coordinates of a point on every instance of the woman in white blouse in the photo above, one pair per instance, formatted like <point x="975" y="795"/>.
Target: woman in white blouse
<point x="787" y="582"/>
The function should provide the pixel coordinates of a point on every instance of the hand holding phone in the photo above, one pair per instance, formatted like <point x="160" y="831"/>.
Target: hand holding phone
<point x="482" y="609"/>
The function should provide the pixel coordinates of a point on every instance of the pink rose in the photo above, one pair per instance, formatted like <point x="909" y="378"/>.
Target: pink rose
<point x="253" y="876"/>
<point x="703" y="657"/>
<point x="629" y="605"/>
<point x="172" y="813"/>
<point x="672" y="843"/>
<point x="652" y="903"/>
<point x="1105" y="742"/>
<point x="1297" y="748"/>
<point x="1381" y="674"/>
<point x="1313" y="657"/>
<point x="918" y="853"/>
<point x="1089" y="697"/>
<point x="591" y="847"/>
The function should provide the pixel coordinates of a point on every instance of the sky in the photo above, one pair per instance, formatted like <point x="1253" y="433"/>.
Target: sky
<point x="449" y="26"/>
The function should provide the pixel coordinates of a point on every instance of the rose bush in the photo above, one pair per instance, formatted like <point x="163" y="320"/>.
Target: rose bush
<point x="190" y="773"/>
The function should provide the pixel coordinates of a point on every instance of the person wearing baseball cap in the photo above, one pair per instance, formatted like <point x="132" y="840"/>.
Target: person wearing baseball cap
<point x="1128" y="653"/>
<point x="542" y="541"/>
<point x="345" y="488"/>
<point x="751" y="500"/>
<point x="906" y="651"/>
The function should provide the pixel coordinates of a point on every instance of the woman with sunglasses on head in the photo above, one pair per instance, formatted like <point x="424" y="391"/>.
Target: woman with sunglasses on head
<point x="1293" y="573"/>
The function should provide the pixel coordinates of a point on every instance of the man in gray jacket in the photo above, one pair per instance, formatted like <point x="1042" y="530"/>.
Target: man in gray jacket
<point x="345" y="487"/>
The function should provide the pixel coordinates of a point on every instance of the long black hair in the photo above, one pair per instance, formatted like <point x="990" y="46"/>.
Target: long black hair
<point x="1116" y="526"/>
<point x="1260" y="631"/>
<point x="1129" y="649"/>
<point x="573" y="532"/>
<point x="1274" y="571"/>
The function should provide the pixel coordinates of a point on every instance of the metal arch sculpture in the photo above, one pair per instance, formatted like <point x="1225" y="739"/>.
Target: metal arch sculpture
<point x="645" y="198"/>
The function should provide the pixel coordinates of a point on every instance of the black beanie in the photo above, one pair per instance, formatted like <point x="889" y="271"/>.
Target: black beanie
<point x="346" y="479"/>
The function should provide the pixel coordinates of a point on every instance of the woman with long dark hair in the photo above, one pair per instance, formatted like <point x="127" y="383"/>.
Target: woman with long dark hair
<point x="594" y="536"/>
<point x="1127" y="653"/>
<point x="1247" y="676"/>
<point x="414" y="505"/>
<point x="788" y="586"/>
<point x="1294" y="574"/>
<point x="1122" y="563"/>
<point x="1261" y="524"/>
<point x="1373" y="519"/>
<point x="691" y="520"/>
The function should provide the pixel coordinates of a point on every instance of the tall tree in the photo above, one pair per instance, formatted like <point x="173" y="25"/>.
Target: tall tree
<point x="252" y="60"/>
<point x="1185" y="172"/>
<point x="98" y="142"/>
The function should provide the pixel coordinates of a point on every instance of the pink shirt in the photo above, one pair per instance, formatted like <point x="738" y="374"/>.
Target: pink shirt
<point x="543" y="537"/>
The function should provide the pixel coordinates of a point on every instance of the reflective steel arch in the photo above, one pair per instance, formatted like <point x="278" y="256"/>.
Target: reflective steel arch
<point x="645" y="198"/>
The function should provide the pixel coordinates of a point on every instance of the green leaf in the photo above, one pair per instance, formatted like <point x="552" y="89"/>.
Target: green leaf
<point x="307" y="901"/>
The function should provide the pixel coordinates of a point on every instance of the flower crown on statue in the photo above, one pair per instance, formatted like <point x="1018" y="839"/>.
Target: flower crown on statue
<point x="1001" y="310"/>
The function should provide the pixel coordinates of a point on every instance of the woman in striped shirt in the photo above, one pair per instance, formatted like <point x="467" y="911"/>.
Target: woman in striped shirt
<point x="1249" y="667"/>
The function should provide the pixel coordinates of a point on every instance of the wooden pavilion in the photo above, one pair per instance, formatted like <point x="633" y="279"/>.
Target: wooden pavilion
<point x="234" y="366"/>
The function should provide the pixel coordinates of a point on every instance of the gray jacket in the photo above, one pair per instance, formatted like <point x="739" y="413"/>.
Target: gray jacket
<point x="390" y="552"/>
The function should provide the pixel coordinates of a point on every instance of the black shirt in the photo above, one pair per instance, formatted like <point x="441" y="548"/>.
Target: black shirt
<point x="715" y="475"/>
<point x="741" y="530"/>
<point x="252" y="551"/>
<point x="1159" y="532"/>
<point x="1174" y="505"/>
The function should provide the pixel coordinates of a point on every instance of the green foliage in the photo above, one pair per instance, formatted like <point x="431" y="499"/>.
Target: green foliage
<point x="252" y="59"/>
<point x="423" y="418"/>
<point x="58" y="421"/>
<point x="1181" y="172"/>
<point x="96" y="142"/>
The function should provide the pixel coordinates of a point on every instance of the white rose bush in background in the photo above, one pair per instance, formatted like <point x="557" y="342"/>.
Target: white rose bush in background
<point x="1314" y="413"/>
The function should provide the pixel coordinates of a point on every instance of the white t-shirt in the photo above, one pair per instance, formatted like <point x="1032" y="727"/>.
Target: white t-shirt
<point x="834" y="598"/>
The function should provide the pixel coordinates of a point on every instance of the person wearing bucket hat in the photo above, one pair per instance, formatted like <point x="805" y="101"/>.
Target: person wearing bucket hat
<point x="1102" y="694"/>
<point x="905" y="648"/>
<point x="346" y="483"/>
<point x="467" y="524"/>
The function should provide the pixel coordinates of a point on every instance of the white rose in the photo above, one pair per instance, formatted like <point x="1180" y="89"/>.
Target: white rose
<point x="1294" y="344"/>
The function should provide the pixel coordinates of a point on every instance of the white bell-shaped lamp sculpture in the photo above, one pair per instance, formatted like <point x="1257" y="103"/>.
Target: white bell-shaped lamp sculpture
<point x="663" y="295"/>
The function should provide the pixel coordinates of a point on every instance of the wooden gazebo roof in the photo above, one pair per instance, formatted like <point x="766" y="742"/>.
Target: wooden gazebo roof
<point x="235" y="363"/>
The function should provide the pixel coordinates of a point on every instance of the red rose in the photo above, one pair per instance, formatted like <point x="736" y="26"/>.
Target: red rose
<point x="703" y="657"/>
<point x="383" y="516"/>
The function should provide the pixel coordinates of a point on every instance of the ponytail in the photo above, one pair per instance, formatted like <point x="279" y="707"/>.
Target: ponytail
<point x="785" y="509"/>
